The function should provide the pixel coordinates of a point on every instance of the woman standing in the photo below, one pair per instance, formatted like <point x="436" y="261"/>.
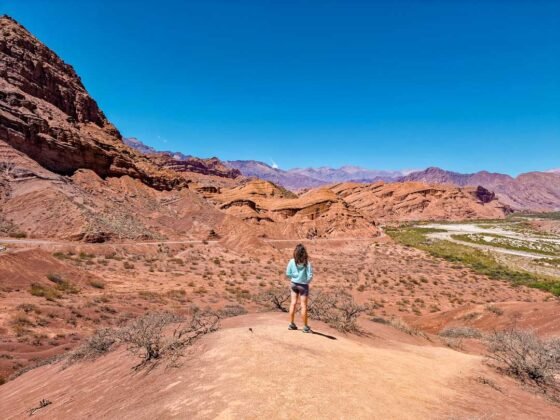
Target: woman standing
<point x="300" y="273"/>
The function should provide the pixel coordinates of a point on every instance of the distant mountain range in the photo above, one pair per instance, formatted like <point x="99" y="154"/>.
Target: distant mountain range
<point x="302" y="178"/>
<point x="537" y="191"/>
<point x="347" y="173"/>
<point x="261" y="170"/>
<point x="534" y="191"/>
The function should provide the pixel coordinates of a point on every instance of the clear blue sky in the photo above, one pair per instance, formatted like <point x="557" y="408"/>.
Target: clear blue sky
<point x="464" y="85"/>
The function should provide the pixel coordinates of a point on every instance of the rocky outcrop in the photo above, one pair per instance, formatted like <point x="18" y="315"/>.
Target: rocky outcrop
<point x="483" y="195"/>
<point x="37" y="203"/>
<point x="179" y="162"/>
<point x="414" y="201"/>
<point x="277" y="212"/>
<point x="211" y="166"/>
<point x="46" y="113"/>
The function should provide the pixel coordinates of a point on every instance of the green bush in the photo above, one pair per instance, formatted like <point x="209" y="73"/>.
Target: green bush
<point x="477" y="260"/>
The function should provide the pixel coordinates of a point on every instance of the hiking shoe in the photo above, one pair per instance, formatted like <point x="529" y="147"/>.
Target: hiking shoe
<point x="292" y="326"/>
<point x="306" y="329"/>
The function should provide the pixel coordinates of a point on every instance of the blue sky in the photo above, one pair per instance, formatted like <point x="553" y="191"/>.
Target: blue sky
<point x="464" y="85"/>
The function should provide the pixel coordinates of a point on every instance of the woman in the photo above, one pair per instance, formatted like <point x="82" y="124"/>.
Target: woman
<point x="300" y="273"/>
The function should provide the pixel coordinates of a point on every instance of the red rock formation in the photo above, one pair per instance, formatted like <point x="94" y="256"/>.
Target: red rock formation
<point x="419" y="201"/>
<point x="212" y="166"/>
<point x="46" y="113"/>
<point x="184" y="163"/>
<point x="277" y="212"/>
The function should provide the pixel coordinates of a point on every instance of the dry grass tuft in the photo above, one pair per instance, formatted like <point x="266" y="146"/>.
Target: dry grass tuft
<point x="461" y="332"/>
<point x="526" y="357"/>
<point x="339" y="310"/>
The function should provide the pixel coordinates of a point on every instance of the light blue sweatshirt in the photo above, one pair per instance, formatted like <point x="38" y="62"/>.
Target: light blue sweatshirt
<point x="299" y="273"/>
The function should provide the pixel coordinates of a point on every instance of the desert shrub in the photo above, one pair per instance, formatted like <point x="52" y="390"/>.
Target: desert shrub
<point x="230" y="311"/>
<point x="487" y="381"/>
<point x="455" y="343"/>
<point x="276" y="298"/>
<point x="525" y="356"/>
<point x="42" y="404"/>
<point x="339" y="310"/>
<point x="494" y="309"/>
<point x="460" y="332"/>
<point x="187" y="331"/>
<point x="98" y="344"/>
<point x="150" y="296"/>
<point x="399" y="324"/>
<point x="47" y="292"/>
<point x="22" y="320"/>
<point x="17" y="235"/>
<point x="128" y="265"/>
<point x="61" y="284"/>
<point x="28" y="307"/>
<point x="177" y="294"/>
<point x="98" y="284"/>
<point x="67" y="287"/>
<point x="20" y="323"/>
<point x="145" y="336"/>
<point x="470" y="316"/>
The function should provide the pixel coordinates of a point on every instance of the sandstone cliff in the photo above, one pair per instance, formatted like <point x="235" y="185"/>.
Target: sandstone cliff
<point x="46" y="113"/>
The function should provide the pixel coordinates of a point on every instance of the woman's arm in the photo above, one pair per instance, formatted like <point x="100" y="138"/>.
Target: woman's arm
<point x="309" y="272"/>
<point x="290" y="270"/>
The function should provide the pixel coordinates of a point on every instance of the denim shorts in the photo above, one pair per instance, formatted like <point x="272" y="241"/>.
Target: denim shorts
<point x="300" y="289"/>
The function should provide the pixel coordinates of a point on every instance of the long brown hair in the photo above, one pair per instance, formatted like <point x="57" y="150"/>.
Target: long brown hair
<point x="300" y="255"/>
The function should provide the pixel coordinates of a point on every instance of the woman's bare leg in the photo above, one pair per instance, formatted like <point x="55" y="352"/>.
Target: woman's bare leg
<point x="293" y="305"/>
<point x="304" y="309"/>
